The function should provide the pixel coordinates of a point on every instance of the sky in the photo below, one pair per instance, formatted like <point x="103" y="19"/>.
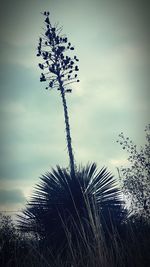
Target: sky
<point x="111" y="40"/>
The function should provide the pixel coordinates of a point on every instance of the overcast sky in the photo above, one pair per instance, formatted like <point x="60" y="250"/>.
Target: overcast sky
<point x="111" y="39"/>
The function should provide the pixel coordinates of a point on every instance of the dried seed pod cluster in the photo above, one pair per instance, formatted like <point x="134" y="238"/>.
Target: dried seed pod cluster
<point x="58" y="68"/>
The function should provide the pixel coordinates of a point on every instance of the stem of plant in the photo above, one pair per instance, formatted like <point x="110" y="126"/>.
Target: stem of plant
<point x="68" y="135"/>
<point x="60" y="71"/>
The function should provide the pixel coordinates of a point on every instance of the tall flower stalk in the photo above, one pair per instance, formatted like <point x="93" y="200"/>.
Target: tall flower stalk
<point x="59" y="70"/>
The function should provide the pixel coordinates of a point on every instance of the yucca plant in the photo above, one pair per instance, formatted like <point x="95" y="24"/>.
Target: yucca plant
<point x="65" y="205"/>
<point x="62" y="205"/>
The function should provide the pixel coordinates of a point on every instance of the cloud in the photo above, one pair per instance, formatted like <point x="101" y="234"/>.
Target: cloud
<point x="11" y="196"/>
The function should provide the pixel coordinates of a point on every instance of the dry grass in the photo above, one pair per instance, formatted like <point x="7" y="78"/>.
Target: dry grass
<point x="92" y="248"/>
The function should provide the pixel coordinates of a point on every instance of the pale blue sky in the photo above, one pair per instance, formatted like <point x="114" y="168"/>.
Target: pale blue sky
<point x="111" y="39"/>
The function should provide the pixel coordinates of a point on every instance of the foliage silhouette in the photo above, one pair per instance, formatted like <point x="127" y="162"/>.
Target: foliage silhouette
<point x="8" y="237"/>
<point x="60" y="202"/>
<point x="128" y="250"/>
<point x="136" y="177"/>
<point x="59" y="70"/>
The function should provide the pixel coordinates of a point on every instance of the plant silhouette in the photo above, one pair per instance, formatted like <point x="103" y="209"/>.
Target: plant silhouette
<point x="66" y="204"/>
<point x="60" y="202"/>
<point x="59" y="70"/>
<point x="136" y="177"/>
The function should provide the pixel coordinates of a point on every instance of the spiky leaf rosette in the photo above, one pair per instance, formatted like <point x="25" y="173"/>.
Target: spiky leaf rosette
<point x="60" y="201"/>
<point x="58" y="66"/>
